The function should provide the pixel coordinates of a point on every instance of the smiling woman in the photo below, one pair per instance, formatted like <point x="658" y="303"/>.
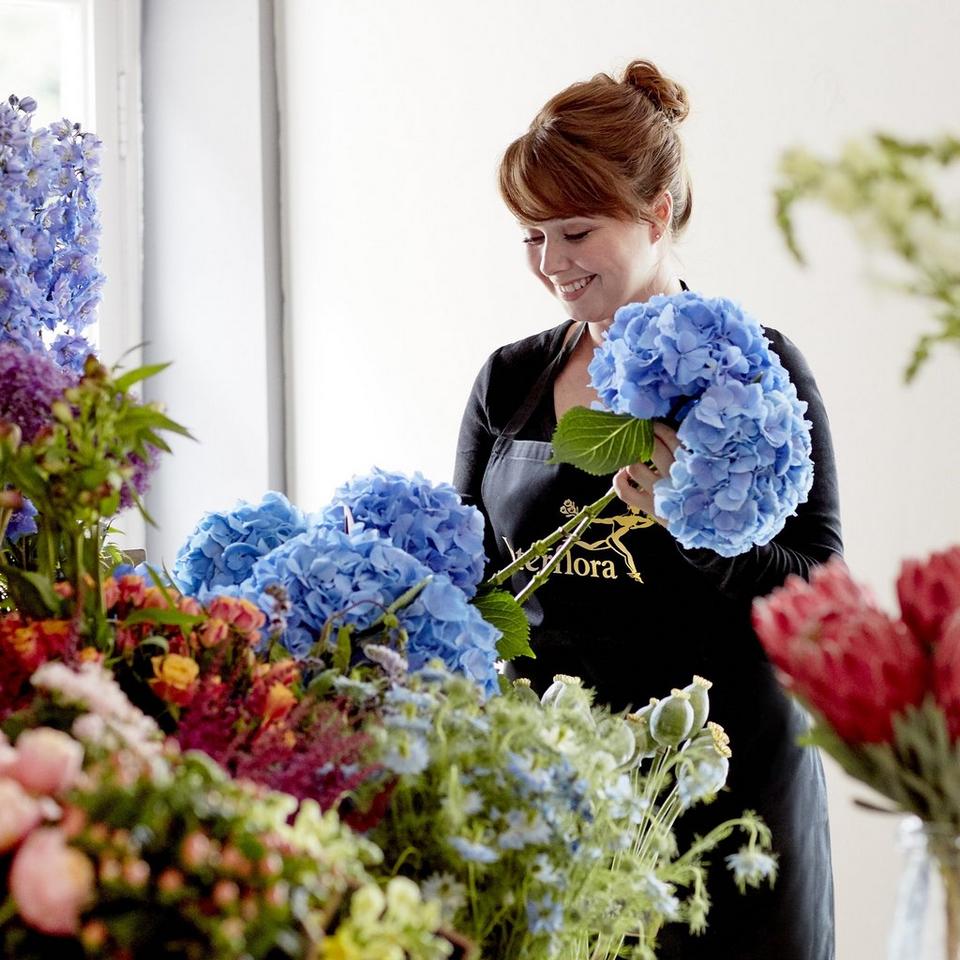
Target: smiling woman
<point x="599" y="187"/>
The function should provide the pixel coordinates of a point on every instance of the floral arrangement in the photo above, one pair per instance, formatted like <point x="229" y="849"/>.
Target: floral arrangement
<point x="120" y="846"/>
<point x="50" y="280"/>
<point x="404" y="571"/>
<point x="545" y="828"/>
<point x="887" y="188"/>
<point x="884" y="689"/>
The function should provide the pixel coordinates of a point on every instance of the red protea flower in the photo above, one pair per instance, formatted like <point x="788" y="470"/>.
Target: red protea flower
<point x="946" y="673"/>
<point x="846" y="658"/>
<point x="929" y="591"/>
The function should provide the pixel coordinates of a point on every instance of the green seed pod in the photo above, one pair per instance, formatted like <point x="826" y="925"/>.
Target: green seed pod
<point x="560" y="682"/>
<point x="618" y="739"/>
<point x="640" y="725"/>
<point x="672" y="719"/>
<point x="700" y="701"/>
<point x="524" y="692"/>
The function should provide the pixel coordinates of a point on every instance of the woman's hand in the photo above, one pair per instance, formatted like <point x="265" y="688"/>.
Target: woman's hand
<point x="634" y="484"/>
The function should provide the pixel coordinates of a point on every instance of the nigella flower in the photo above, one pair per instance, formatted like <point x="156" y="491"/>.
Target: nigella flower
<point x="743" y="465"/>
<point x="406" y="752"/>
<point x="448" y="891"/>
<point x="751" y="867"/>
<point x="660" y="896"/>
<point x="701" y="777"/>
<point x="221" y="551"/>
<point x="473" y="851"/>
<point x="29" y="384"/>
<point x="524" y="828"/>
<point x="427" y="520"/>
<point x="353" y="578"/>
<point x="544" y="915"/>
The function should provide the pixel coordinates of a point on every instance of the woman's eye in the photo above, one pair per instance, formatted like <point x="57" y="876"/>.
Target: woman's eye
<point x="532" y="239"/>
<point x="576" y="236"/>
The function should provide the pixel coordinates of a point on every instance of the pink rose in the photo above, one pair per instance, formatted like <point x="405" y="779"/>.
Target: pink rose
<point x="245" y="616"/>
<point x="19" y="814"/>
<point x="48" y="761"/>
<point x="51" y="883"/>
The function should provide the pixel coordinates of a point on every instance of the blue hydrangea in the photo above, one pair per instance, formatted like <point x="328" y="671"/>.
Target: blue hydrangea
<point x="219" y="555"/>
<point x="427" y="520"/>
<point x="744" y="462"/>
<point x="674" y="347"/>
<point x="327" y="572"/>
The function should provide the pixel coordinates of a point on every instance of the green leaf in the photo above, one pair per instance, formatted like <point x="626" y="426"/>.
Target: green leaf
<point x="601" y="442"/>
<point x="125" y="382"/>
<point x="500" y="610"/>
<point x="32" y="593"/>
<point x="164" y="616"/>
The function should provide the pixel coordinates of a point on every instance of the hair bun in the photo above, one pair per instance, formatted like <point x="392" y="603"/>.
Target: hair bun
<point x="665" y="94"/>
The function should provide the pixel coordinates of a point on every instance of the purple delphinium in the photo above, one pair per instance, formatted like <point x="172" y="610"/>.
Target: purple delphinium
<point x="29" y="384"/>
<point x="50" y="281"/>
<point x="140" y="481"/>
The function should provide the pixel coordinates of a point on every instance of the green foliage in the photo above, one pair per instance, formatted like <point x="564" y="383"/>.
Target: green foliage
<point x="600" y="442"/>
<point x="500" y="609"/>
<point x="883" y="186"/>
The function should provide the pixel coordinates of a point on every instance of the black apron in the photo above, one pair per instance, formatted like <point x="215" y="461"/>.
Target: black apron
<point x="627" y="613"/>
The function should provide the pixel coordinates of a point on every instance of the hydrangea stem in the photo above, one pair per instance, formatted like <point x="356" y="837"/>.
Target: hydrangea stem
<point x="573" y="530"/>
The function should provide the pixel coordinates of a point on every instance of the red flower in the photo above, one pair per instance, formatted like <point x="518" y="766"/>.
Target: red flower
<point x="929" y="591"/>
<point x="946" y="673"/>
<point x="847" y="659"/>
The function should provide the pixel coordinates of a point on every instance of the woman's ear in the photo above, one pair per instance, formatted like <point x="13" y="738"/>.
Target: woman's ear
<point x="662" y="212"/>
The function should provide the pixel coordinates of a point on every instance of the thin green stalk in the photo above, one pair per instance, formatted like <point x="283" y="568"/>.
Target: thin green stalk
<point x="587" y="516"/>
<point x="540" y="547"/>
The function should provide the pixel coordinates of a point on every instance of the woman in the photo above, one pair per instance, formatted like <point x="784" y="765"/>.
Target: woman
<point x="600" y="189"/>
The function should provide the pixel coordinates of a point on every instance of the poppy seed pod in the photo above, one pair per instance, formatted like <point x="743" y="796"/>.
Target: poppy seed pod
<point x="672" y="719"/>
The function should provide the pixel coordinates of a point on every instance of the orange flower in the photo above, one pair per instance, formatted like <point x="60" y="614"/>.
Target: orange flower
<point x="175" y="677"/>
<point x="280" y="701"/>
<point x="214" y="633"/>
<point x="241" y="614"/>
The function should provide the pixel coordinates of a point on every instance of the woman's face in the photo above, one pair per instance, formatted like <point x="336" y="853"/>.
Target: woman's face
<point x="594" y="265"/>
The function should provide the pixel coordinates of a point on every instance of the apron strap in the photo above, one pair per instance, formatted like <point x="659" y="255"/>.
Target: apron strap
<point x="526" y="409"/>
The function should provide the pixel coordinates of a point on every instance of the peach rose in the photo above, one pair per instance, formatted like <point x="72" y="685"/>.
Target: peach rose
<point x="19" y="814"/>
<point x="51" y="882"/>
<point x="48" y="761"/>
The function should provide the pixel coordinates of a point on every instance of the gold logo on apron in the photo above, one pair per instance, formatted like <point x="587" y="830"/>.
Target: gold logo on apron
<point x="604" y="568"/>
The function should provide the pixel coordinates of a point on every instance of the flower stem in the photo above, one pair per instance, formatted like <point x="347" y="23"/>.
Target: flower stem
<point x="540" y="547"/>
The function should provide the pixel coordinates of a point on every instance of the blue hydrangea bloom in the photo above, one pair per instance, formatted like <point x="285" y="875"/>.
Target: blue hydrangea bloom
<point x="219" y="555"/>
<point x="744" y="462"/>
<point x="328" y="572"/>
<point x="427" y="520"/>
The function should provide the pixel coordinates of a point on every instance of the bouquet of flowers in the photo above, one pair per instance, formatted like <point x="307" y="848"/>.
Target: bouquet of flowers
<point x="545" y="828"/>
<point x="884" y="692"/>
<point x="120" y="846"/>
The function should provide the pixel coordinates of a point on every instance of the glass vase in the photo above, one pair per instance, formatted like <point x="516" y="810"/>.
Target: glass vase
<point x="931" y="852"/>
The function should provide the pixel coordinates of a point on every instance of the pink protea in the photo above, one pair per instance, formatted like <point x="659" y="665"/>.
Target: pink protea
<point x="847" y="659"/>
<point x="946" y="673"/>
<point x="929" y="591"/>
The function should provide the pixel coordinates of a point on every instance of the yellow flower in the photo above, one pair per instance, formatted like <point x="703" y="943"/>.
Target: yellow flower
<point x="175" y="670"/>
<point x="341" y="946"/>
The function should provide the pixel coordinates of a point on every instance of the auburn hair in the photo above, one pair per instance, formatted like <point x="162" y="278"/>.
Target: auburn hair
<point x="604" y="147"/>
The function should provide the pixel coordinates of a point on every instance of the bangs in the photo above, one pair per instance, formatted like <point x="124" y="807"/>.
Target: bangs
<point x="544" y="176"/>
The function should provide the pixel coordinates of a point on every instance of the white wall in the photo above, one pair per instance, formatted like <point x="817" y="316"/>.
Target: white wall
<point x="403" y="272"/>
<point x="211" y="255"/>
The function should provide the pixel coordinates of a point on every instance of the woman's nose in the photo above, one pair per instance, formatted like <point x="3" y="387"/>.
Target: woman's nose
<point x="553" y="261"/>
